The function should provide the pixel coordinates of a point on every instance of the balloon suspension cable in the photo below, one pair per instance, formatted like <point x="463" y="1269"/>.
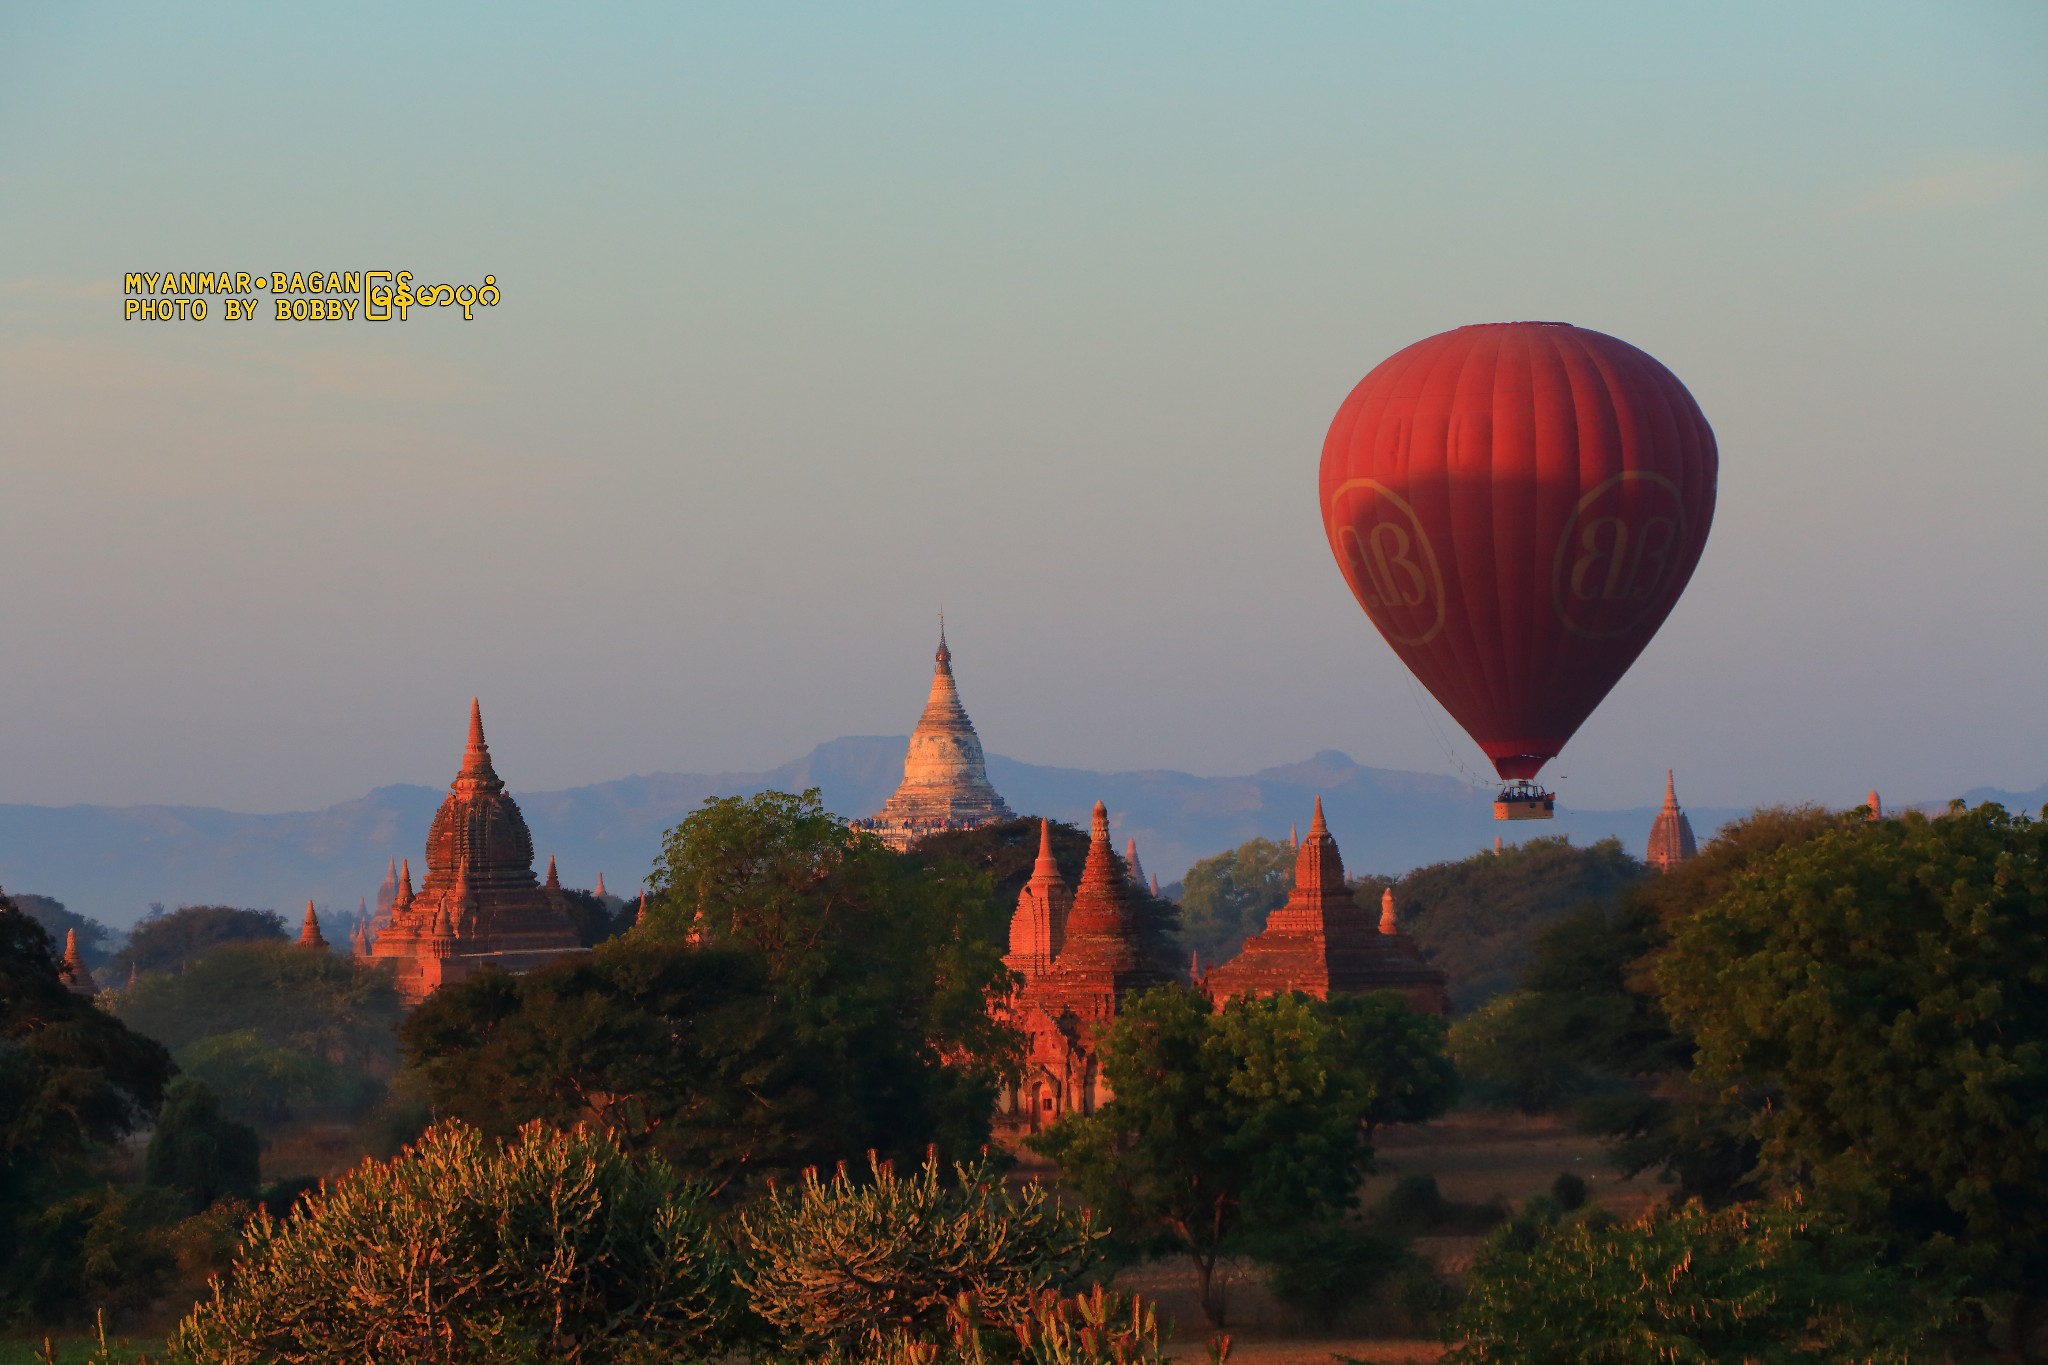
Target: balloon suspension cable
<point x="1436" y="732"/>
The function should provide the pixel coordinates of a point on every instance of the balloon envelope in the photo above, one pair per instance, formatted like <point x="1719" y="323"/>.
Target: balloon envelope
<point x="1517" y="506"/>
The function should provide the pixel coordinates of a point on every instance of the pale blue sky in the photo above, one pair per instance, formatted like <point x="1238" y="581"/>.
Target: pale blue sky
<point x="817" y="318"/>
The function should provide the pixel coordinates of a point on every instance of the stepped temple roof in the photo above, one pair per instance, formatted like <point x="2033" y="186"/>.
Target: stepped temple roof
<point x="480" y="903"/>
<point x="1671" y="841"/>
<point x="1323" y="943"/>
<point x="945" y="776"/>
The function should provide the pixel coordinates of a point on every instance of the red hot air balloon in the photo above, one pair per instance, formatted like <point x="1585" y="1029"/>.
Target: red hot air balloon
<point x="1517" y="506"/>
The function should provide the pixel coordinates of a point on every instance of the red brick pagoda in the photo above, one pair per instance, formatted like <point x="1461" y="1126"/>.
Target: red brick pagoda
<point x="1323" y="943"/>
<point x="480" y="905"/>
<point x="1671" y="841"/>
<point x="1080" y="954"/>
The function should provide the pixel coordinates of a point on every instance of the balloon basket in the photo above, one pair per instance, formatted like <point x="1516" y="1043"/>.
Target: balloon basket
<point x="1524" y="801"/>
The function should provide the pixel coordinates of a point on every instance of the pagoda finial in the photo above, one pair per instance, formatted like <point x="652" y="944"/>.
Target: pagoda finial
<point x="554" y="882"/>
<point x="1876" y="806"/>
<point x="1132" y="867"/>
<point x="640" y="913"/>
<point x="1670" y="789"/>
<point x="1098" y="831"/>
<point x="600" y="892"/>
<point x="1387" y="924"/>
<point x="309" y="932"/>
<point x="945" y="655"/>
<point x="476" y="758"/>
<point x="1293" y="835"/>
<point x="404" y="901"/>
<point x="1317" y="829"/>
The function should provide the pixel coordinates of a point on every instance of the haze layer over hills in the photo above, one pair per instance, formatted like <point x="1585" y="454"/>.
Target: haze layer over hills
<point x="113" y="862"/>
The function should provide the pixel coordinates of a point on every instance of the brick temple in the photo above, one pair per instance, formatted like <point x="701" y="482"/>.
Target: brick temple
<point x="481" y="904"/>
<point x="1323" y="943"/>
<point x="945" y="776"/>
<point x="1080" y="954"/>
<point x="1671" y="841"/>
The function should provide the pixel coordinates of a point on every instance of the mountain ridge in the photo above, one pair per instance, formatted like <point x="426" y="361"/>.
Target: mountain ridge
<point x="112" y="862"/>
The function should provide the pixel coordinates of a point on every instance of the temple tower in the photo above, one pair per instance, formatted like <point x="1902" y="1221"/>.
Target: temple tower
<point x="1321" y="942"/>
<point x="1671" y="841"/>
<point x="72" y="967"/>
<point x="1079" y="957"/>
<point x="480" y="903"/>
<point x="1039" y="925"/>
<point x="945" y="775"/>
<point x="309" y="932"/>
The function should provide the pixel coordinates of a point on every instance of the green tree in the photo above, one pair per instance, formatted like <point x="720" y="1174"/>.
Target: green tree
<point x="275" y="1030"/>
<point x="58" y="921"/>
<point x="1224" y="900"/>
<point x="1225" y="1126"/>
<point x="554" y="1247"/>
<point x="165" y="942"/>
<point x="1885" y="985"/>
<point x="885" y="963"/>
<point x="848" y="1264"/>
<point x="73" y="1081"/>
<point x="1479" y="918"/>
<point x="666" y="1047"/>
<point x="1748" y="1285"/>
<point x="198" y="1151"/>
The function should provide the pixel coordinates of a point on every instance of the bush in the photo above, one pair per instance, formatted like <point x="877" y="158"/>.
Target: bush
<point x="838" y="1265"/>
<point x="554" y="1247"/>
<point x="198" y="1151"/>
<point x="1321" y="1271"/>
<point x="1762" y="1283"/>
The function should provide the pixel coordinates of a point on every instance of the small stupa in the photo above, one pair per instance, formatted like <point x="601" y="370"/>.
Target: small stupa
<point x="945" y="775"/>
<point x="1671" y="841"/>
<point x="72" y="967"/>
<point x="309" y="932"/>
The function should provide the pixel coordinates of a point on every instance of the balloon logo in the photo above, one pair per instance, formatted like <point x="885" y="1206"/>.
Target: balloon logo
<point x="1517" y="507"/>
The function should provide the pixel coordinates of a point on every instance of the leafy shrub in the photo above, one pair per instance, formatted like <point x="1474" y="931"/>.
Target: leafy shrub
<point x="554" y="1247"/>
<point x="198" y="1151"/>
<point x="837" y="1265"/>
<point x="1759" y="1283"/>
<point x="1321" y="1271"/>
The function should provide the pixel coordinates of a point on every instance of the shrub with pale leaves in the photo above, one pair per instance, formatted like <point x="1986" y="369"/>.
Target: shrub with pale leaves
<point x="554" y="1247"/>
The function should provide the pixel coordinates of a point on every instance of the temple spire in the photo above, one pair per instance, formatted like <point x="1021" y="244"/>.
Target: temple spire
<point x="1388" y="923"/>
<point x="405" y="896"/>
<point x="600" y="892"/>
<point x="1132" y="866"/>
<point x="1039" y="925"/>
<point x="309" y="932"/>
<point x="554" y="882"/>
<point x="476" y="756"/>
<point x="1671" y="839"/>
<point x="73" y="969"/>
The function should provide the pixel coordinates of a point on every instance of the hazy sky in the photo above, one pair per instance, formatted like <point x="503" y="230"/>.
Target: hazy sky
<point x="816" y="319"/>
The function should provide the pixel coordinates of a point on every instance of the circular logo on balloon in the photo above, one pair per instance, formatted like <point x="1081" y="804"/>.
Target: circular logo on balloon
<point x="1620" y="556"/>
<point x="1388" y="560"/>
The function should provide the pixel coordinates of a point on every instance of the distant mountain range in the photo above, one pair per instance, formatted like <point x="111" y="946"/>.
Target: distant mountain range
<point x="112" y="862"/>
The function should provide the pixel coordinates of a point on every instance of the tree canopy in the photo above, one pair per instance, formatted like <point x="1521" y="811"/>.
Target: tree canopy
<point x="57" y="921"/>
<point x="1233" y="1124"/>
<point x="73" y="1079"/>
<point x="1479" y="917"/>
<point x="275" y="1030"/>
<point x="796" y="993"/>
<point x="165" y="942"/>
<point x="1886" y="984"/>
<point x="1225" y="899"/>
